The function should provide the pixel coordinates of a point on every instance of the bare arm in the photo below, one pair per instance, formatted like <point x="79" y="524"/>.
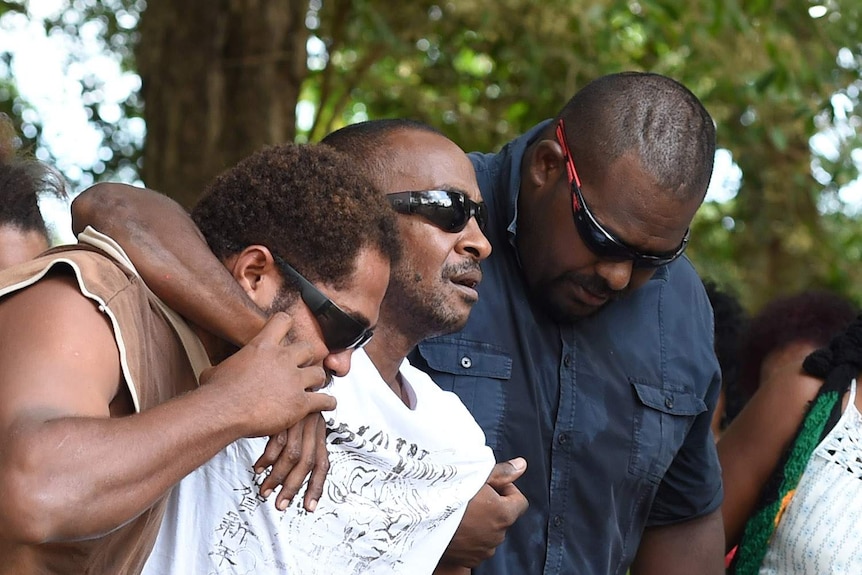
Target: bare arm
<point x="172" y="257"/>
<point x="751" y="446"/>
<point x="694" y="546"/>
<point x="69" y="470"/>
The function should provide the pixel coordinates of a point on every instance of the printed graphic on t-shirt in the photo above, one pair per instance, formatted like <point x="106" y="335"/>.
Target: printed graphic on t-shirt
<point x="382" y="494"/>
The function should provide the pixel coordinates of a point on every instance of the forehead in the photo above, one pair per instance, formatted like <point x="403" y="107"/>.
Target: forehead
<point x="630" y="203"/>
<point x="424" y="161"/>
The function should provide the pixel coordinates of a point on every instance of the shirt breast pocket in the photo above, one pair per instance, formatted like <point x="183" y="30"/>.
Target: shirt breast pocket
<point x="477" y="372"/>
<point x="661" y="419"/>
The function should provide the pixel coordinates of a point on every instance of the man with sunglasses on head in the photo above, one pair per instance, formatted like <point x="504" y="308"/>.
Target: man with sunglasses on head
<point x="107" y="397"/>
<point x="405" y="457"/>
<point x="590" y="349"/>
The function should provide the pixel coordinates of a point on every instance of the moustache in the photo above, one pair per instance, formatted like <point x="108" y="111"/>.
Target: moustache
<point x="452" y="271"/>
<point x="596" y="285"/>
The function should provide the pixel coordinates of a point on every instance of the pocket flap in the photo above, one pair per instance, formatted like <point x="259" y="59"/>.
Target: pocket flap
<point x="674" y="402"/>
<point x="464" y="357"/>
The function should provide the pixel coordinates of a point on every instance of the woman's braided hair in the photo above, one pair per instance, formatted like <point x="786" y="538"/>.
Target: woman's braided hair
<point x="837" y="365"/>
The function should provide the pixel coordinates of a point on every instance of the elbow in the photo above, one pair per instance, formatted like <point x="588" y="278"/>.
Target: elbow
<point x="38" y="504"/>
<point x="101" y="206"/>
<point x="28" y="513"/>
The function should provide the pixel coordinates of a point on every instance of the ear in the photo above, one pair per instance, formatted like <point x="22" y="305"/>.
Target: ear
<point x="256" y="272"/>
<point x="546" y="166"/>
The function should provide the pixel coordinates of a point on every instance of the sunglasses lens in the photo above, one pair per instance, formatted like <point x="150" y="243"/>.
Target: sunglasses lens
<point x="445" y="210"/>
<point x="448" y="210"/>
<point x="597" y="241"/>
<point x="340" y="331"/>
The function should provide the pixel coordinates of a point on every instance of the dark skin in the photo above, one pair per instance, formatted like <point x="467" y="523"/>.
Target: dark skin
<point x="753" y="443"/>
<point x="69" y="427"/>
<point x="224" y="309"/>
<point x="625" y="199"/>
<point x="426" y="161"/>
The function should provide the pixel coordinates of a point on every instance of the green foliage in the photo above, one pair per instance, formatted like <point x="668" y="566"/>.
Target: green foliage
<point x="772" y="73"/>
<point x="110" y="25"/>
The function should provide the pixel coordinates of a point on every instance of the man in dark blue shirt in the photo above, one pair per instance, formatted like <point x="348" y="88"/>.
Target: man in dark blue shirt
<point x="590" y="351"/>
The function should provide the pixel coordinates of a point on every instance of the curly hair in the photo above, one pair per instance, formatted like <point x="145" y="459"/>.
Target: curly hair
<point x="813" y="316"/>
<point x="653" y="115"/>
<point x="22" y="180"/>
<point x="306" y="204"/>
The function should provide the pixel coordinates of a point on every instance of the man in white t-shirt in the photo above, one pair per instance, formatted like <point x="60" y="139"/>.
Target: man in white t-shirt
<point x="405" y="456"/>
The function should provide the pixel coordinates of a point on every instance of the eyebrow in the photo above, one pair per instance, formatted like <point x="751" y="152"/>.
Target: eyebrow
<point x="358" y="316"/>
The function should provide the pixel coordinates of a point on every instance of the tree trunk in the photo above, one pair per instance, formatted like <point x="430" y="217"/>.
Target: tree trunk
<point x="220" y="79"/>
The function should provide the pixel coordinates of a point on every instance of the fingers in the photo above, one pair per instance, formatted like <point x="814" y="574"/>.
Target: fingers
<point x="320" y="471"/>
<point x="275" y="329"/>
<point x="506" y="472"/>
<point x="294" y="454"/>
<point x="300" y="464"/>
<point x="270" y="453"/>
<point x="320" y="402"/>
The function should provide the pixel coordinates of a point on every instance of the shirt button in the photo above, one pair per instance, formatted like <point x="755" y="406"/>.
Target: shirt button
<point x="668" y="402"/>
<point x="567" y="361"/>
<point x="466" y="362"/>
<point x="557" y="520"/>
<point x="563" y="438"/>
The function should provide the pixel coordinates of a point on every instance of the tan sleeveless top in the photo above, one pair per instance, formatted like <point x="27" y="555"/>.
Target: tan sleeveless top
<point x="161" y="358"/>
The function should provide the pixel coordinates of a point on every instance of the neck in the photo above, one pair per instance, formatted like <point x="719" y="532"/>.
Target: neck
<point x="387" y="351"/>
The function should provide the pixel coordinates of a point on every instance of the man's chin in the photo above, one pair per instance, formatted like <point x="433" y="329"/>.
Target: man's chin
<point x="565" y="309"/>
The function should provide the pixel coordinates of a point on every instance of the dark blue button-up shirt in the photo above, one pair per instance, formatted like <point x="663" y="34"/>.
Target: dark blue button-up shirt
<point x="611" y="412"/>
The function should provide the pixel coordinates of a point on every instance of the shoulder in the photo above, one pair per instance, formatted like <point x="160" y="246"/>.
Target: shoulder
<point x="94" y="272"/>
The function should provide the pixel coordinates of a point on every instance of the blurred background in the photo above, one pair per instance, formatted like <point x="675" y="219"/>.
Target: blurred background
<point x="168" y="93"/>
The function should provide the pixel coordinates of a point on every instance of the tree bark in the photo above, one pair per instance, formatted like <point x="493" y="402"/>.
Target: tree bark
<point x="220" y="79"/>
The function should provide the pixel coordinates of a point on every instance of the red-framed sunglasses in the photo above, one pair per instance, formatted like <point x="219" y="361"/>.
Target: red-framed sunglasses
<point x="597" y="238"/>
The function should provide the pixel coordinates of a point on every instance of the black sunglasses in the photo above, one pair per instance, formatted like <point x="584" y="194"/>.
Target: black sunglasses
<point x="599" y="240"/>
<point x="448" y="210"/>
<point x="340" y="330"/>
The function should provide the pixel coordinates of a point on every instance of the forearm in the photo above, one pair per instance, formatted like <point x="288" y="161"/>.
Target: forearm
<point x="172" y="257"/>
<point x="75" y="478"/>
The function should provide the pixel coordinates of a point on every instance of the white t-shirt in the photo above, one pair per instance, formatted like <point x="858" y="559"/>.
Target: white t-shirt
<point x="398" y="485"/>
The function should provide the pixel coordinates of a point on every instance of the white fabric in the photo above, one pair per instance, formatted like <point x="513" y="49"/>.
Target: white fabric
<point x="399" y="482"/>
<point x="819" y="533"/>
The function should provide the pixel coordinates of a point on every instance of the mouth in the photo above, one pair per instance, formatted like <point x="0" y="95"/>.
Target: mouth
<point x="589" y="298"/>
<point x="468" y="281"/>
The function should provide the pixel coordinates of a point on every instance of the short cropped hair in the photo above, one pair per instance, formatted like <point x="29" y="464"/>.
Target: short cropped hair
<point x="22" y="180"/>
<point x="367" y="143"/>
<point x="306" y="204"/>
<point x="654" y="116"/>
<point x="812" y="317"/>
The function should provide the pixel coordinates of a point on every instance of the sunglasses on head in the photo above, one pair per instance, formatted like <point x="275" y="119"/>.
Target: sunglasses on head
<point x="340" y="330"/>
<point x="599" y="240"/>
<point x="448" y="210"/>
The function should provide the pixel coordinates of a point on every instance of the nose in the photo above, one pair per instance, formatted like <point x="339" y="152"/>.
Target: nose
<point x="474" y="242"/>
<point x="616" y="274"/>
<point x="339" y="362"/>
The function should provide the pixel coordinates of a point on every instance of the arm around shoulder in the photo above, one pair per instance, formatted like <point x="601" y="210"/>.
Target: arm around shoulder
<point x="171" y="255"/>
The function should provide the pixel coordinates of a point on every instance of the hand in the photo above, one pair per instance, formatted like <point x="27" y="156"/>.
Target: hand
<point x="271" y="385"/>
<point x="489" y="514"/>
<point x="293" y="454"/>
